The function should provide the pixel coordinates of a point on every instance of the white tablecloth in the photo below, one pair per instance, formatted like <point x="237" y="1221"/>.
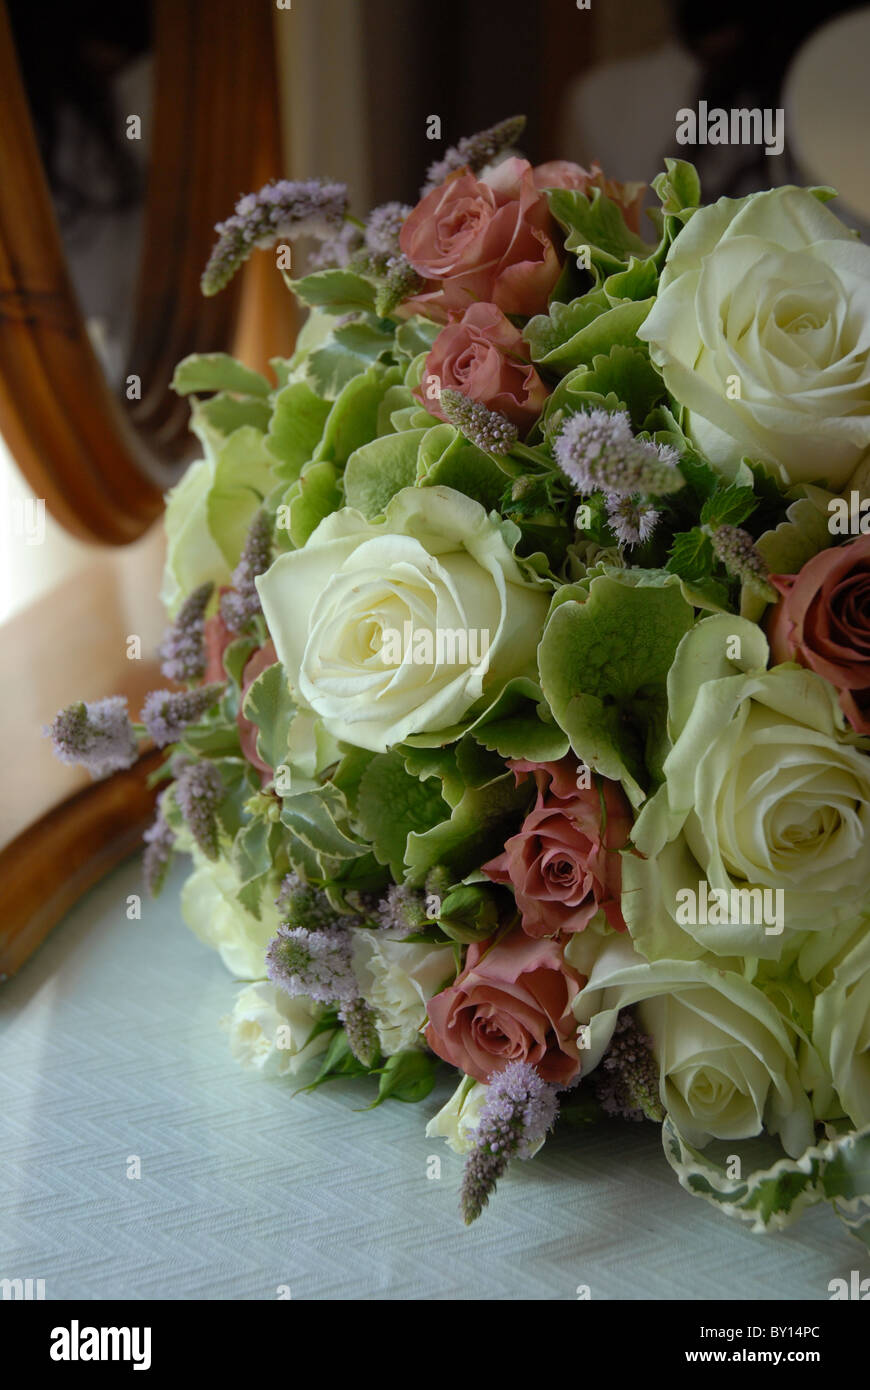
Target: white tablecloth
<point x="110" y="1047"/>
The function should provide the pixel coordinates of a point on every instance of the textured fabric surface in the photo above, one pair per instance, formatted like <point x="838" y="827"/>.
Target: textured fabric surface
<point x="111" y="1047"/>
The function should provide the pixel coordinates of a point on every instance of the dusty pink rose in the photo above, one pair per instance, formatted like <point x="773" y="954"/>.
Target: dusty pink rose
<point x="256" y="664"/>
<point x="487" y="240"/>
<point x="823" y="621"/>
<point x="217" y="638"/>
<point x="484" y="357"/>
<point x="512" y="1003"/>
<point x="564" y="865"/>
<point x="561" y="173"/>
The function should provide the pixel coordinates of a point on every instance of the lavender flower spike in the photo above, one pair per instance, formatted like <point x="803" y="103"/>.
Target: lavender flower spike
<point x="362" y="1034"/>
<point x="166" y="714"/>
<point x="280" y="209"/>
<point x="474" y="152"/>
<point x="627" y="1080"/>
<point x="382" y="230"/>
<point x="159" y="842"/>
<point x="315" y="963"/>
<point x="597" y="451"/>
<point x="243" y="602"/>
<point x="490" y="431"/>
<point x="737" y="551"/>
<point x="518" y="1112"/>
<point x="97" y="734"/>
<point x="183" y="648"/>
<point x="199" y="791"/>
<point x="631" y="519"/>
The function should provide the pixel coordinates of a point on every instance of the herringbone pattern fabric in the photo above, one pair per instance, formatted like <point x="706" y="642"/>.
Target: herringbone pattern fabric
<point x="110" y="1046"/>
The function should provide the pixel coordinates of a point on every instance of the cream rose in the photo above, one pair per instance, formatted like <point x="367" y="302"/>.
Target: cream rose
<point x="764" y="790"/>
<point x="398" y="627"/>
<point x="841" y="1029"/>
<point x="761" y="328"/>
<point x="727" y="1060"/>
<point x="458" y="1121"/>
<point x="271" y="1031"/>
<point x="192" y="554"/>
<point x="211" y="909"/>
<point x="397" y="979"/>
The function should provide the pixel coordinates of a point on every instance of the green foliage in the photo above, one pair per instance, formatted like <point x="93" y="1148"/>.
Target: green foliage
<point x="378" y="470"/>
<point x="217" y="371"/>
<point x="408" y="1076"/>
<point x="391" y="803"/>
<point x="243" y="476"/>
<point x="296" y="427"/>
<point x="339" y="291"/>
<point x="691" y="555"/>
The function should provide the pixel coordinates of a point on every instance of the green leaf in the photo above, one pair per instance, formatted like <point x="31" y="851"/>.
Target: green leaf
<point x="392" y="802"/>
<point x="699" y="476"/>
<point x="296" y="428"/>
<point x="243" y="476"/>
<point x="416" y="335"/>
<point x="679" y="187"/>
<point x="729" y="506"/>
<point x="353" y="420"/>
<point x="837" y="1171"/>
<point x="314" y="495"/>
<point x="576" y="333"/>
<point x="604" y="665"/>
<point x="625" y="373"/>
<point x="691" y="555"/>
<point x="338" y="1060"/>
<point x="270" y="706"/>
<point x="408" y="1076"/>
<point x="217" y="371"/>
<point x="447" y="459"/>
<point x="469" y="912"/>
<point x="365" y="339"/>
<point x="318" y="820"/>
<point x="597" y="223"/>
<point x="223" y="414"/>
<point x="235" y="658"/>
<point x="475" y="832"/>
<point x="341" y="291"/>
<point x="378" y="470"/>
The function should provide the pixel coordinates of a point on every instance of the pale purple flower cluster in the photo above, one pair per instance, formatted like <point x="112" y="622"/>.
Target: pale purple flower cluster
<point x="401" y="910"/>
<point x="488" y="429"/>
<point x="474" y="152"/>
<point x="98" y="734"/>
<point x="337" y="249"/>
<point x="597" y="452"/>
<point x="738" y="553"/>
<point x="362" y="1034"/>
<point x="284" y="208"/>
<point x="159" y="843"/>
<point x="242" y="602"/>
<point x="382" y="230"/>
<point x="301" y="905"/>
<point x="520" y="1109"/>
<point x="315" y="963"/>
<point x="199" y="791"/>
<point x="166" y="713"/>
<point x="627" y="1078"/>
<point x="182" y="650"/>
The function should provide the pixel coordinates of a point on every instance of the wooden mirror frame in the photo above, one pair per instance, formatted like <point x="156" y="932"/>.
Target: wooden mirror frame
<point x="100" y="462"/>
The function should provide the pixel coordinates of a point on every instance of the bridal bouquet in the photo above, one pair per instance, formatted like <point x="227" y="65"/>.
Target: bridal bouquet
<point x="518" y="678"/>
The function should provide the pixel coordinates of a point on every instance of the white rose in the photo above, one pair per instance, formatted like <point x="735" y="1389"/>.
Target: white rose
<point x="436" y="574"/>
<point x="270" y="1030"/>
<point x="761" y="328"/>
<point x="841" y="1029"/>
<point x="397" y="979"/>
<point x="192" y="554"/>
<point x="211" y="909"/>
<point x="727" y="1061"/>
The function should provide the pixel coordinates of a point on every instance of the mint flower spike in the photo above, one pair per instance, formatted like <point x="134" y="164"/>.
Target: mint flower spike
<point x="488" y="429"/>
<point x="362" y="1034"/>
<point x="631" y="519"/>
<point x="738" y="553"/>
<point x="315" y="963"/>
<point x="519" y="1111"/>
<point x="284" y="208"/>
<point x="182" y="650"/>
<point x="159" y="844"/>
<point x="597" y="452"/>
<point x="382" y="230"/>
<point x="400" y="281"/>
<point x="97" y="734"/>
<point x="627" y="1079"/>
<point x="242" y="603"/>
<point x="166" y="713"/>
<point x="199" y="791"/>
<point x="474" y="152"/>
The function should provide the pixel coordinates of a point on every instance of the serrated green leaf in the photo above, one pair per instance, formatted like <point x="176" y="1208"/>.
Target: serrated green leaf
<point x="243" y="476"/>
<point x="729" y="506"/>
<point x="353" y="420"/>
<point x="475" y="832"/>
<point x="217" y="371"/>
<point x="270" y="706"/>
<point x="390" y="803"/>
<point x="691" y="555"/>
<point x="223" y="414"/>
<point x="678" y="186"/>
<point x="316" y="819"/>
<point x="625" y="374"/>
<point x="340" y="291"/>
<point x="447" y="459"/>
<point x="378" y="470"/>
<point x="416" y="335"/>
<point x="577" y="333"/>
<point x="296" y="428"/>
<point x="314" y="495"/>
<point x="597" y="223"/>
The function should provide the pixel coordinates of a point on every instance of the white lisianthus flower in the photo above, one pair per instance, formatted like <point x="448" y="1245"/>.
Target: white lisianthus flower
<point x="271" y="1031"/>
<point x="765" y="790"/>
<point x="210" y="907"/>
<point x="761" y="328"/>
<point x="727" y="1059"/>
<point x="192" y="554"/>
<point x="397" y="979"/>
<point x="458" y="1120"/>
<point x="397" y="627"/>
